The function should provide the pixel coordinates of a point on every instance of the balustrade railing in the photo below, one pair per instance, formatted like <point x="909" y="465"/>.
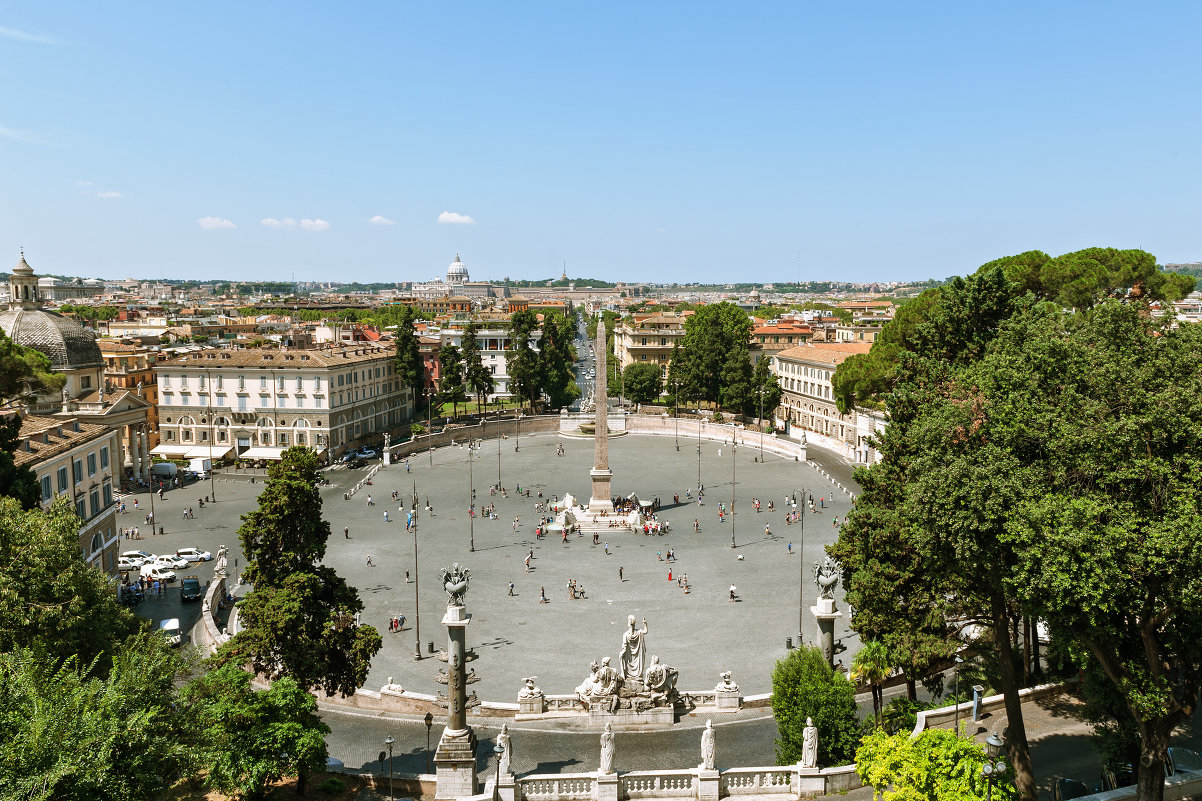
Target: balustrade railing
<point x="755" y="781"/>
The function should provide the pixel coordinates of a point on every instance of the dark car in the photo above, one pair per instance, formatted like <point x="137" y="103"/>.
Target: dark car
<point x="1183" y="760"/>
<point x="190" y="589"/>
<point x="1065" y="789"/>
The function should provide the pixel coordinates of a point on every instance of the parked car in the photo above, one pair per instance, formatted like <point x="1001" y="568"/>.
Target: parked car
<point x="1183" y="760"/>
<point x="139" y="558"/>
<point x="173" y="562"/>
<point x="169" y="628"/>
<point x="1114" y="777"/>
<point x="1064" y="789"/>
<point x="154" y="572"/>
<point x="368" y="453"/>
<point x="190" y="589"/>
<point x="124" y="565"/>
<point x="194" y="555"/>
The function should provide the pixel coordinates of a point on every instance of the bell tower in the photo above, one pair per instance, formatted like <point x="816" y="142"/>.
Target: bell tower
<point x="23" y="286"/>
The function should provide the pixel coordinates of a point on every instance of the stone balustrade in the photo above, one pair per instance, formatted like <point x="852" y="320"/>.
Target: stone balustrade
<point x="658" y="784"/>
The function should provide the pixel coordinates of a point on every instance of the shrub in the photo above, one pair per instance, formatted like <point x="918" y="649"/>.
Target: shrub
<point x="332" y="786"/>
<point x="805" y="685"/>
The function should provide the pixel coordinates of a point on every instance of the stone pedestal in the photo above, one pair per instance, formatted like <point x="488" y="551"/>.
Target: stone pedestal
<point x="727" y="702"/>
<point x="810" y="782"/>
<point x="826" y="614"/>
<point x="531" y="704"/>
<point x="607" y="787"/>
<point x="602" y="499"/>
<point x="455" y="764"/>
<point x="708" y="784"/>
<point x="507" y="788"/>
<point x="599" y="715"/>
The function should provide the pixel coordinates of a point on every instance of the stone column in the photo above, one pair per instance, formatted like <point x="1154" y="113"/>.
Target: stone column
<point x="826" y="615"/>
<point x="455" y="757"/>
<point x="602" y="499"/>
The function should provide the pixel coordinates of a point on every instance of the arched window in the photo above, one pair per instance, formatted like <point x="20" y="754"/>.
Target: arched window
<point x="186" y="433"/>
<point x="300" y="432"/>
<point x="97" y="542"/>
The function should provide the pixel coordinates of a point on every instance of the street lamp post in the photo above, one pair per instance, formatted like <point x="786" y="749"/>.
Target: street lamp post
<point x="994" y="765"/>
<point x="733" y="449"/>
<point x="676" y="384"/>
<point x="417" y="608"/>
<point x="761" y="425"/>
<point x="209" y="411"/>
<point x="388" y="742"/>
<point x="956" y="692"/>
<point x="498" y="456"/>
<point x="517" y="434"/>
<point x="471" y="502"/>
<point x="801" y="572"/>
<point x="699" y="452"/>
<point x="429" y="721"/>
<point x="429" y="425"/>
<point x="499" y="750"/>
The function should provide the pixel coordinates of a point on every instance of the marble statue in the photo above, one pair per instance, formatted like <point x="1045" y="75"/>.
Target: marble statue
<point x="708" y="746"/>
<point x="454" y="581"/>
<point x="660" y="680"/>
<point x="803" y="439"/>
<point x="608" y="683"/>
<point x="634" y="650"/>
<point x="809" y="745"/>
<point x="588" y="688"/>
<point x="607" y="750"/>
<point x="529" y="690"/>
<point x="503" y="740"/>
<point x="826" y="575"/>
<point x="726" y="685"/>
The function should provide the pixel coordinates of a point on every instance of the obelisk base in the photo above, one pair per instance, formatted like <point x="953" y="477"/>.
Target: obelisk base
<point x="602" y="499"/>
<point x="455" y="764"/>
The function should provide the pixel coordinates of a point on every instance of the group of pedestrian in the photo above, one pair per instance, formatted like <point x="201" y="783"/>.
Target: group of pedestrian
<point x="396" y="622"/>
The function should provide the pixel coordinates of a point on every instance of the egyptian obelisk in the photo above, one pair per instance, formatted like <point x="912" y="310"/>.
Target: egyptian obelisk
<point x="602" y="500"/>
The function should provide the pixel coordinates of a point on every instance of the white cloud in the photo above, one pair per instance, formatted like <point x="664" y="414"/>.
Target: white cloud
<point x="379" y="219"/>
<point x="22" y="36"/>
<point x="21" y="136"/>
<point x="214" y="223"/>
<point x="453" y="218"/>
<point x="84" y="184"/>
<point x="316" y="224"/>
<point x="108" y="194"/>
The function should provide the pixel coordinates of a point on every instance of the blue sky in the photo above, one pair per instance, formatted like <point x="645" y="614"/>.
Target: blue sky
<point x="636" y="141"/>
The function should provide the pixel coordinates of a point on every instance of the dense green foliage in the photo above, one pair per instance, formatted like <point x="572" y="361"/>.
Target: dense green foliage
<point x="476" y="377"/>
<point x="299" y="621"/>
<point x="805" y="686"/>
<point x="251" y="738"/>
<point x="765" y="391"/>
<point x="873" y="664"/>
<point x="20" y="483"/>
<point x="522" y="361"/>
<point x="92" y="731"/>
<point x="1041" y="462"/>
<point x="25" y="373"/>
<point x="935" y="766"/>
<point x="641" y="381"/>
<point x="555" y="359"/>
<point x="451" y="388"/>
<point x="711" y="361"/>
<point x="51" y="601"/>
<point x="409" y="366"/>
<point x="89" y="312"/>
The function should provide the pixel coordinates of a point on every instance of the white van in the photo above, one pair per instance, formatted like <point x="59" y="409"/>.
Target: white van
<point x="169" y="628"/>
<point x="165" y="469"/>
<point x="159" y="572"/>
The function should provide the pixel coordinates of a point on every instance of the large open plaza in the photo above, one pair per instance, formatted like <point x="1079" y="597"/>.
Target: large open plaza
<point x="700" y="632"/>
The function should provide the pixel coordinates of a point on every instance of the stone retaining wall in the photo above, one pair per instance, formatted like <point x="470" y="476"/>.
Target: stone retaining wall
<point x="211" y="635"/>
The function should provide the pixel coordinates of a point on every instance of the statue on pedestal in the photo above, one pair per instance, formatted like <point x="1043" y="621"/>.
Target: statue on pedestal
<point x="529" y="690"/>
<point x="634" y="650"/>
<point x="503" y="740"/>
<point x="660" y="681"/>
<point x="809" y="745"/>
<point x="708" y="746"/>
<point x="826" y="575"/>
<point x="607" y="750"/>
<point x="454" y="581"/>
<point x="588" y="688"/>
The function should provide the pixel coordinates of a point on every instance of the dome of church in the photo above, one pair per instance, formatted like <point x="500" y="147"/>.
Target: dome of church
<point x="457" y="272"/>
<point x="67" y="344"/>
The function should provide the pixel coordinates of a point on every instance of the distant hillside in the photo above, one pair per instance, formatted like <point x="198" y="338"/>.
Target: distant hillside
<point x="1193" y="268"/>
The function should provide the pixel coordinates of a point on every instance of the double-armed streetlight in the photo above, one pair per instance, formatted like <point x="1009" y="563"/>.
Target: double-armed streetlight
<point x="472" y="445"/>
<point x="676" y="384"/>
<point x="388" y="742"/>
<point x="733" y="449"/>
<point x="994" y="765"/>
<point x="417" y="609"/>
<point x="801" y="572"/>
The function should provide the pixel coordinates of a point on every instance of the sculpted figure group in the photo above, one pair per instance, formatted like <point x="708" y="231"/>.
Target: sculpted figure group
<point x="638" y="684"/>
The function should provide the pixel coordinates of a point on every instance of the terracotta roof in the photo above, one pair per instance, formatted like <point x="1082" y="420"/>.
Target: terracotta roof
<point x="289" y="359"/>
<point x="833" y="353"/>
<point x="34" y="426"/>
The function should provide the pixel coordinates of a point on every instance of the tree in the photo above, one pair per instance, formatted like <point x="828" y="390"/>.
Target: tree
<point x="706" y="360"/>
<point x="25" y="373"/>
<point x="764" y="383"/>
<point x="20" y="483"/>
<point x="873" y="665"/>
<point x="51" y="601"/>
<point x="642" y="381"/>
<point x="555" y="359"/>
<point x="937" y="765"/>
<point x="409" y="364"/>
<point x="522" y="361"/>
<point x="299" y="621"/>
<point x="804" y="686"/>
<point x="477" y="378"/>
<point x="450" y="379"/>
<point x="91" y="731"/>
<point x="251" y="738"/>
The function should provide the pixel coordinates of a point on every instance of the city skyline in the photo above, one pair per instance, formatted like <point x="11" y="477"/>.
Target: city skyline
<point x="669" y="143"/>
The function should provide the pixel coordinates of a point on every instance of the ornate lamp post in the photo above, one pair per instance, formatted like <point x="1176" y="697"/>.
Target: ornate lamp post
<point x="388" y="742"/>
<point x="994" y="765"/>
<point x="676" y="384"/>
<point x="429" y="721"/>
<point x="801" y="573"/>
<point x="471" y="485"/>
<point x="499" y="750"/>
<point x="417" y="609"/>
<point x="733" y="449"/>
<point x="761" y="425"/>
<point x="429" y="424"/>
<point x="956" y="692"/>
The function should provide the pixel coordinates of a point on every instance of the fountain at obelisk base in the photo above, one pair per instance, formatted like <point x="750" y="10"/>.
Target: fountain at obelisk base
<point x="599" y="514"/>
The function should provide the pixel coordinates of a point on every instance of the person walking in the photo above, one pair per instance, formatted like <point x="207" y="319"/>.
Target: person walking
<point x="370" y="563"/>
<point x="620" y="573"/>
<point x="511" y="588"/>
<point x="542" y="595"/>
<point x="346" y="532"/>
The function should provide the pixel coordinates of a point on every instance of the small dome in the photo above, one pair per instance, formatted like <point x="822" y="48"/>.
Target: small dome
<point x="67" y="344"/>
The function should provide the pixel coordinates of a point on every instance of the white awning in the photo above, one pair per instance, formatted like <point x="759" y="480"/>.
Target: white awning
<point x="170" y="450"/>
<point x="208" y="452"/>
<point x="261" y="452"/>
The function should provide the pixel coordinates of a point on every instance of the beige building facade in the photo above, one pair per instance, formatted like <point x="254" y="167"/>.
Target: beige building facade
<point x="807" y="398"/>
<point x="253" y="404"/>
<point x="648" y="339"/>
<point x="77" y="459"/>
